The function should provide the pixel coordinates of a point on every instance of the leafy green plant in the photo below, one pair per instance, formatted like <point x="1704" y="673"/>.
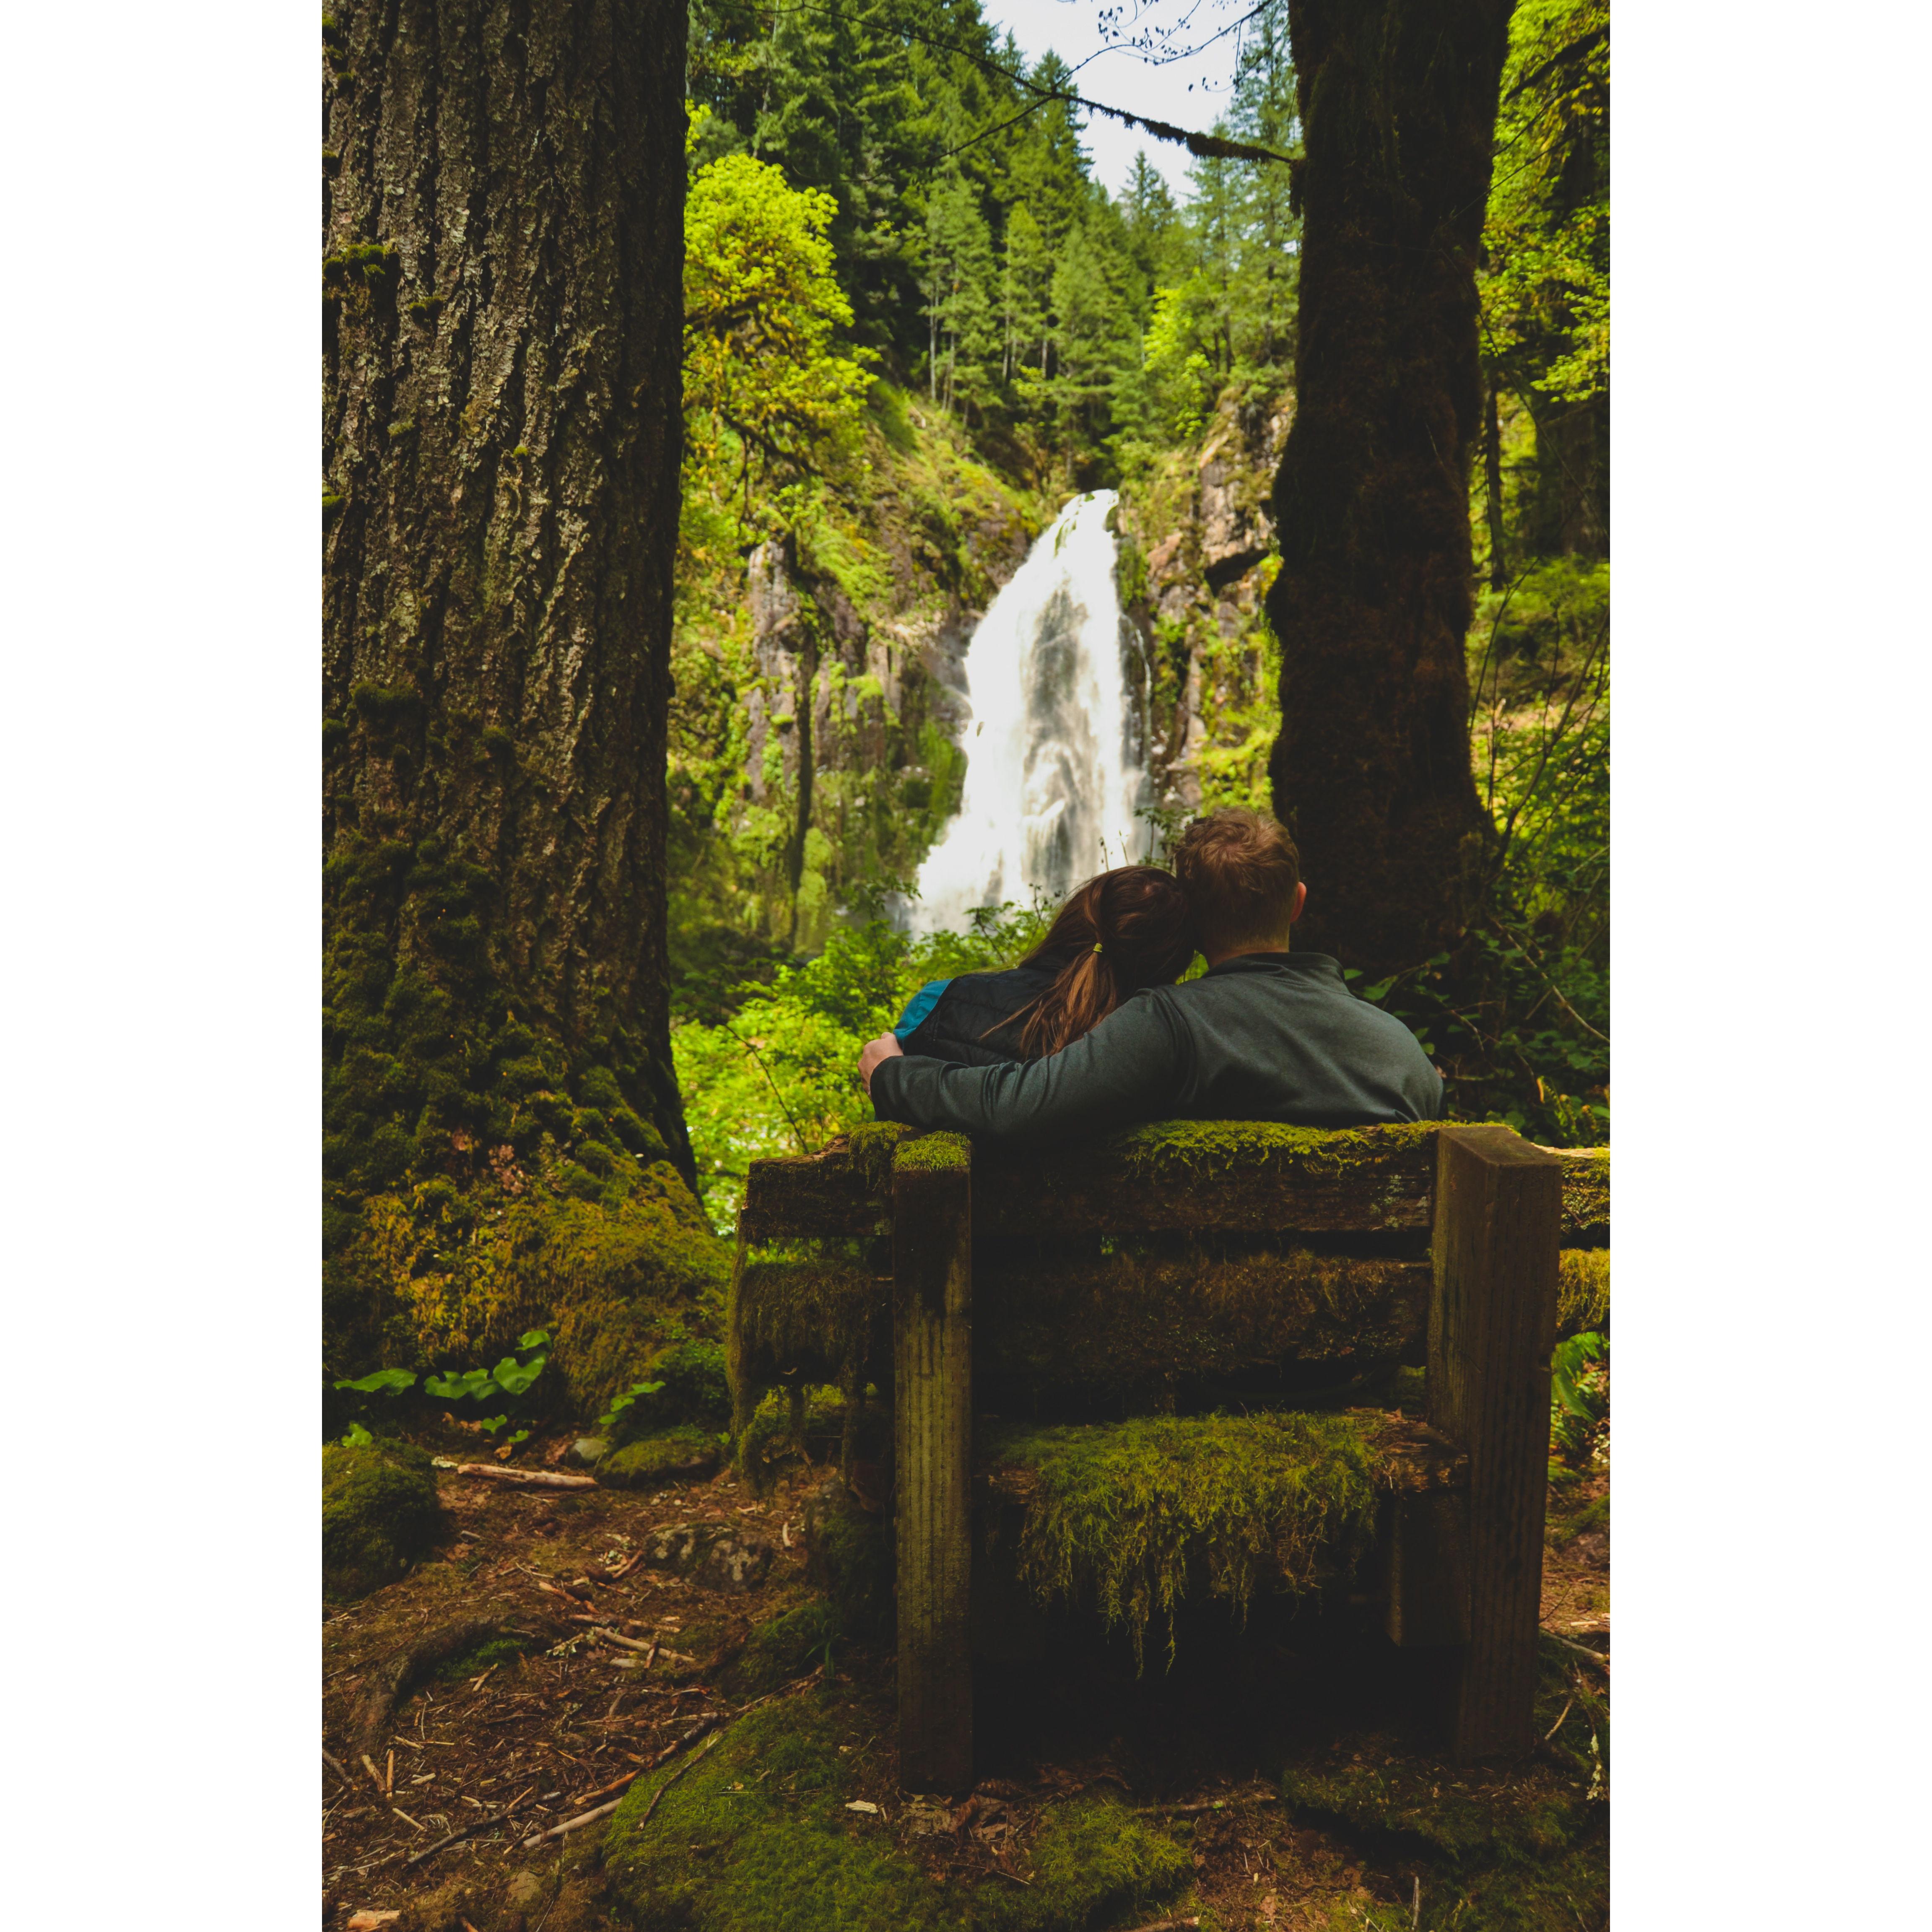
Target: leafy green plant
<point x="383" y="1382"/>
<point x="621" y="1404"/>
<point x="359" y="1438"/>
<point x="1580" y="1398"/>
<point x="509" y="1377"/>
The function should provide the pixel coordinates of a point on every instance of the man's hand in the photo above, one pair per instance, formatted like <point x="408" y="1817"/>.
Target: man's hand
<point x="885" y="1047"/>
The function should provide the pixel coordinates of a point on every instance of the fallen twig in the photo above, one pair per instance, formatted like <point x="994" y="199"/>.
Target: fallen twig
<point x="1596" y="1656"/>
<point x="1559" y="1725"/>
<point x="658" y="1795"/>
<point x="572" y="1824"/>
<point x="619" y="1785"/>
<point x="627" y="1643"/>
<point x="469" y="1830"/>
<point x="335" y="1766"/>
<point x="528" y="1479"/>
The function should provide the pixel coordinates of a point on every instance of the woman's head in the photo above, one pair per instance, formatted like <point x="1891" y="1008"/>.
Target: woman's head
<point x="1129" y="929"/>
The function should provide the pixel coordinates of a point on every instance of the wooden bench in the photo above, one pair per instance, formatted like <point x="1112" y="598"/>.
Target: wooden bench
<point x="1120" y="1277"/>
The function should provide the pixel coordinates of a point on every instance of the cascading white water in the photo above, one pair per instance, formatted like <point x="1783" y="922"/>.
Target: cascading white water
<point x="1054" y="771"/>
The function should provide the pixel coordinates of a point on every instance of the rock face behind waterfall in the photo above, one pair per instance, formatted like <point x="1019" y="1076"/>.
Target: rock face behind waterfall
<point x="1197" y="553"/>
<point x="814" y="733"/>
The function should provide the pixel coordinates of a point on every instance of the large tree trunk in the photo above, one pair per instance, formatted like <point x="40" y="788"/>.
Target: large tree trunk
<point x="503" y="230"/>
<point x="1373" y="601"/>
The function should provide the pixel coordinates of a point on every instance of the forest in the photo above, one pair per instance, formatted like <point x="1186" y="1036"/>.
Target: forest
<point x="683" y="419"/>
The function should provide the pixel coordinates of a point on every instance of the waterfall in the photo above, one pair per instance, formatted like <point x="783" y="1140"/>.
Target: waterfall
<point x="1053" y="745"/>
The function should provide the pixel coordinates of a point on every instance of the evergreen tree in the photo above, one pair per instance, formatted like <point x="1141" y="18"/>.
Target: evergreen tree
<point x="961" y="307"/>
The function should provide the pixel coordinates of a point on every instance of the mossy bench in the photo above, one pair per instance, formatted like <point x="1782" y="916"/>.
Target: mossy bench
<point x="1084" y="1295"/>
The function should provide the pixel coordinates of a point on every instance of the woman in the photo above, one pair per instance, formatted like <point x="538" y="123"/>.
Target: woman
<point x="1127" y="929"/>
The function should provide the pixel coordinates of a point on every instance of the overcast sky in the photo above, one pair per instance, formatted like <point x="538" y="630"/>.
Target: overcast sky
<point x="1189" y="93"/>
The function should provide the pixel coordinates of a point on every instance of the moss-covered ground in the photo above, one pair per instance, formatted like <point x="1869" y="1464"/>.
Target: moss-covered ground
<point x="1280" y="1774"/>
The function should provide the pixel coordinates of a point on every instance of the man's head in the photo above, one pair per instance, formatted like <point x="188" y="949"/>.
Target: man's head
<point x="1243" y="878"/>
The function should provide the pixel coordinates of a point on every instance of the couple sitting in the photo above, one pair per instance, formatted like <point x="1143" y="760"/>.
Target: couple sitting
<point x="1089" y="1032"/>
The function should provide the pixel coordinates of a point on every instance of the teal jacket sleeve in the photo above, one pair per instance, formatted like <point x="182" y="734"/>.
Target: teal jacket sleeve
<point x="1131" y="1067"/>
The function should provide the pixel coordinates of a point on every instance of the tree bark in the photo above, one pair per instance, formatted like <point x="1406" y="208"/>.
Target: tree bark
<point x="1372" y="769"/>
<point x="502" y="225"/>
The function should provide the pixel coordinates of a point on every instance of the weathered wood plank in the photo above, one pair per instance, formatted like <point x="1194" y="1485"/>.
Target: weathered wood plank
<point x="1492" y="1324"/>
<point x="1214" y="1177"/>
<point x="1206" y="1176"/>
<point x="1128" y="1331"/>
<point x="1124" y="1331"/>
<point x="1429" y="1568"/>
<point x="932" y="1323"/>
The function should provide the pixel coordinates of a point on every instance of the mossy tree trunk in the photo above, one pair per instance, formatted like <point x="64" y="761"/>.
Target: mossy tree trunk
<point x="502" y="242"/>
<point x="1373" y="600"/>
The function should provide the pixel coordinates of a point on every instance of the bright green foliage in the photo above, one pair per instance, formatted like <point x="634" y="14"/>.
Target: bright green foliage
<point x="1546" y="292"/>
<point x="768" y="398"/>
<point x="386" y="1381"/>
<point x="1135" y="1516"/>
<point x="781" y="1076"/>
<point x="758" y="1836"/>
<point x="379" y="1514"/>
<point x="1579" y="1400"/>
<point x="509" y="1377"/>
<point x="621" y="1404"/>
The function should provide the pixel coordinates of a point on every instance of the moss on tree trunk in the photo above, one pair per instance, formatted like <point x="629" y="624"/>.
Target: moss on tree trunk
<point x="503" y="243"/>
<point x="1373" y="599"/>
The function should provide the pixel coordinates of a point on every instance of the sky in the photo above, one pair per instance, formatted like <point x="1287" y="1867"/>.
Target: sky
<point x="1189" y="93"/>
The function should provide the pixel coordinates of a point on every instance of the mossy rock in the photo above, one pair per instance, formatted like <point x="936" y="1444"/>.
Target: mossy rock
<point x="681" y="1454"/>
<point x="379" y="1514"/>
<point x="757" y="1836"/>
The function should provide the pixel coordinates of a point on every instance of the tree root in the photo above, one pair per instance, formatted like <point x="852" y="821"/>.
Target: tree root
<point x="393" y="1682"/>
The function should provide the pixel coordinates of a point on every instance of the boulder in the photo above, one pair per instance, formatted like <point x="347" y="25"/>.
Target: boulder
<point x="379" y="1514"/>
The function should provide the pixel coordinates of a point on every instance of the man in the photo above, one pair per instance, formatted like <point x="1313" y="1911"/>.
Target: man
<point x="1265" y="1034"/>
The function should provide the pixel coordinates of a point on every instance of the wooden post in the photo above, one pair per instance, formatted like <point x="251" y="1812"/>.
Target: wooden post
<point x="1492" y="1324"/>
<point x="932" y="1426"/>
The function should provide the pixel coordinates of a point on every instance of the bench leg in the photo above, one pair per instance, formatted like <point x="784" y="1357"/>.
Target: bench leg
<point x="1492" y="1324"/>
<point x="932" y="1423"/>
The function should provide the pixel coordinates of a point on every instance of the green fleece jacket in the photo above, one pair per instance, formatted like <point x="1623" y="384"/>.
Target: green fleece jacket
<point x="1262" y="1036"/>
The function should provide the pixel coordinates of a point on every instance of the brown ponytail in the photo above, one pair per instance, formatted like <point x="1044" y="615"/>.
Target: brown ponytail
<point x="1127" y="929"/>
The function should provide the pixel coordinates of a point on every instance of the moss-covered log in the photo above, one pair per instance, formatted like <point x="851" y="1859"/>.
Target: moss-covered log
<point x="1187" y="1176"/>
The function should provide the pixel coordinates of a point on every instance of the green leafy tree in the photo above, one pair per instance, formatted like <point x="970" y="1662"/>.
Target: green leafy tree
<point x="768" y="394"/>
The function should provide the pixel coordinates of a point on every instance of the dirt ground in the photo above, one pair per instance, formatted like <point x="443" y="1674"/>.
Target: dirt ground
<point x="559" y="1720"/>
